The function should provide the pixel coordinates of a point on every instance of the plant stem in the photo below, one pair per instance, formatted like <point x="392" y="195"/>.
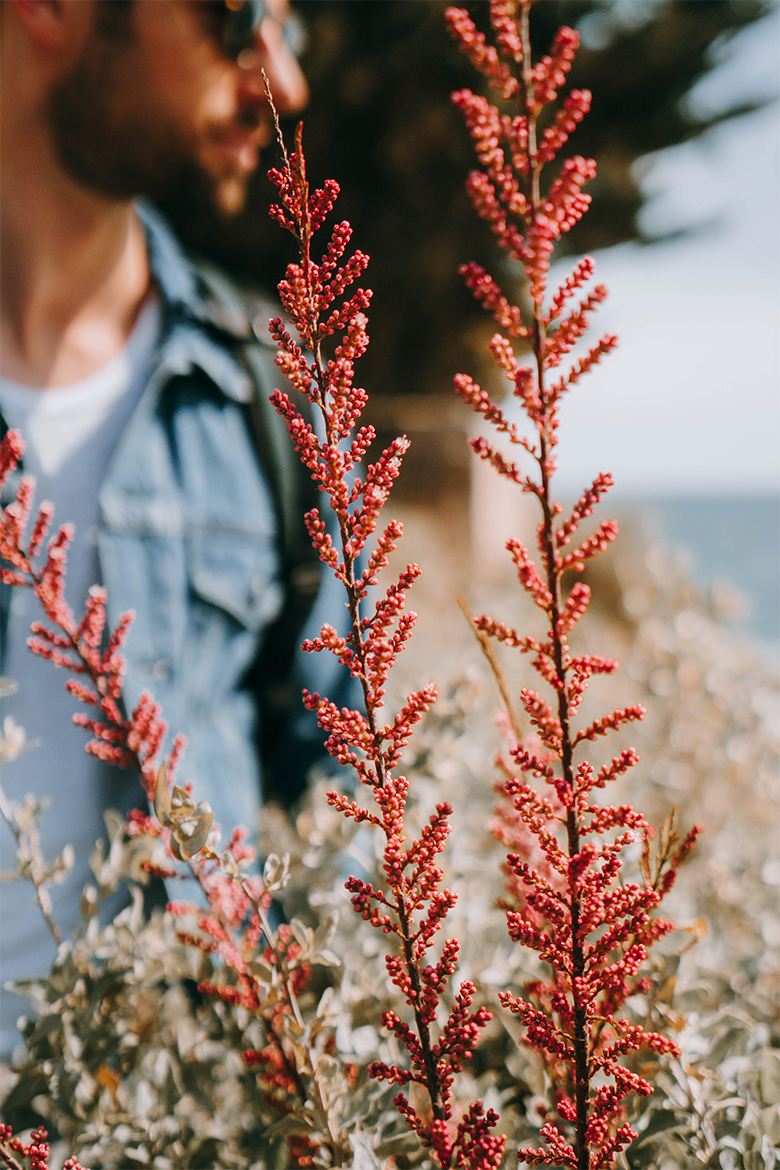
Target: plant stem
<point x="404" y="919"/>
<point x="9" y="1160"/>
<point x="553" y="573"/>
<point x="41" y="895"/>
<point x="487" y="649"/>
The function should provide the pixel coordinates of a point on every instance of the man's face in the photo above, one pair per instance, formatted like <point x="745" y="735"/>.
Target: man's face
<point x="153" y="105"/>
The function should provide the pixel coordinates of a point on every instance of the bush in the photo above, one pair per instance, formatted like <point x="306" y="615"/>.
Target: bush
<point x="202" y="1035"/>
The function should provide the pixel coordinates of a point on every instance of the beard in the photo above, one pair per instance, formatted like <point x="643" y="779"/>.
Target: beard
<point x="112" y="138"/>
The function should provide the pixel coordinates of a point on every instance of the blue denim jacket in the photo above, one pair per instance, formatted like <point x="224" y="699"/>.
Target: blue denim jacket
<point x="188" y="541"/>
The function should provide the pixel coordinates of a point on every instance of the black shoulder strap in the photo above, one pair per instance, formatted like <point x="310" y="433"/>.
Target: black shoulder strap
<point x="292" y="488"/>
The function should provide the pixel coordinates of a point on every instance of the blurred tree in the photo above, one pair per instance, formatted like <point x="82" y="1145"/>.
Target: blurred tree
<point x="380" y="121"/>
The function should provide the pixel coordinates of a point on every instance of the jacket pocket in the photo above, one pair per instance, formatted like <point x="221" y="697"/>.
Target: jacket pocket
<point x="237" y="573"/>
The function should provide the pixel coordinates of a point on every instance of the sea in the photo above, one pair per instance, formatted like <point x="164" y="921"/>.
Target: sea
<point x="731" y="540"/>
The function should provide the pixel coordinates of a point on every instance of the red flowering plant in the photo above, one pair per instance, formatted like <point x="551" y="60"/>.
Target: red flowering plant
<point x="590" y="928"/>
<point x="76" y="646"/>
<point x="18" y="1155"/>
<point x="413" y="905"/>
<point x="567" y="901"/>
<point x="256" y="967"/>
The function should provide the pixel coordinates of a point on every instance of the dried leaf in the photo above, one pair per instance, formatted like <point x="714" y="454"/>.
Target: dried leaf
<point x="325" y="931"/>
<point x="304" y="935"/>
<point x="162" y="801"/>
<point x="276" y="871"/>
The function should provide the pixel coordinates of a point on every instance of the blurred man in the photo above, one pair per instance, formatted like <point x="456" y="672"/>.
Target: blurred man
<point x="138" y="381"/>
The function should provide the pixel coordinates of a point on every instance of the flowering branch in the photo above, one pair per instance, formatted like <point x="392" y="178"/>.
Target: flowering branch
<point x="413" y="906"/>
<point x="268" y="969"/>
<point x="36" y="1151"/>
<point x="76" y="645"/>
<point x="592" y="930"/>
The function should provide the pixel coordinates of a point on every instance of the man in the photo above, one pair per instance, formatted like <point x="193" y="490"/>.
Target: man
<point x="134" y="379"/>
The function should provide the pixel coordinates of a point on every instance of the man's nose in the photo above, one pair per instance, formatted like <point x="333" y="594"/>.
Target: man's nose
<point x="271" y="53"/>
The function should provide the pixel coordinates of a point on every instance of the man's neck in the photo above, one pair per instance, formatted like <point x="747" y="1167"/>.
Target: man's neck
<point x="73" y="271"/>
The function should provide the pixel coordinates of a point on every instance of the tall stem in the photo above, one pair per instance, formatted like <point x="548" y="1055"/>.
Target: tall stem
<point x="553" y="573"/>
<point x="404" y="918"/>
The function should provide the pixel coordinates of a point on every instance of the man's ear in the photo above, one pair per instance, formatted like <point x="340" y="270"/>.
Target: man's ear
<point x="51" y="23"/>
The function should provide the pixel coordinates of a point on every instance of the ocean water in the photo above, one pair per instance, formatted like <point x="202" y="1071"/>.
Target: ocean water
<point x="731" y="539"/>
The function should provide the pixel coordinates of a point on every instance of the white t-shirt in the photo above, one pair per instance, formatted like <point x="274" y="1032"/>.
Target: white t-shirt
<point x="70" y="434"/>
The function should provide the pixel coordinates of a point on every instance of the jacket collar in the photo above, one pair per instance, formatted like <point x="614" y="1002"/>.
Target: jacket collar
<point x="199" y="328"/>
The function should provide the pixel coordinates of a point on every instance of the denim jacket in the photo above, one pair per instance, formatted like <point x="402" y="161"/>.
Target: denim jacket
<point x="188" y="541"/>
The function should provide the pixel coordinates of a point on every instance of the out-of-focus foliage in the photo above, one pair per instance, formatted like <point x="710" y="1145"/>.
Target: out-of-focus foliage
<point x="132" y="1066"/>
<point x="380" y="118"/>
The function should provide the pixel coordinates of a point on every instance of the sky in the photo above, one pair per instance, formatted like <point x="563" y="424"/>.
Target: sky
<point x="690" y="401"/>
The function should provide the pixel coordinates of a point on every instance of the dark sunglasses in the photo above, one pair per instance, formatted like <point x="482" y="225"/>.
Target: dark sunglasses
<point x="240" y="20"/>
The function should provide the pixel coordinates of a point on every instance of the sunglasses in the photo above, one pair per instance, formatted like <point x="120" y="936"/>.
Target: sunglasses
<point x="240" y="20"/>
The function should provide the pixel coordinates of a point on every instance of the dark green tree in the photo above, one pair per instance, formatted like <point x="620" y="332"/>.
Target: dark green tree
<point x="380" y="119"/>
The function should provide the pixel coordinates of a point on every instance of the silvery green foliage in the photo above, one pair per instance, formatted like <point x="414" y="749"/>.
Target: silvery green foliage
<point x="135" y="1068"/>
<point x="717" y="1107"/>
<point x="23" y="818"/>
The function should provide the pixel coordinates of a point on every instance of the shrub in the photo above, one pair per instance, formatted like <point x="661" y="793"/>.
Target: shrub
<point x="203" y="1036"/>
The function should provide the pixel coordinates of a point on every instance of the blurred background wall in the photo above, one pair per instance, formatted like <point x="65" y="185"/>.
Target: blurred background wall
<point x="684" y="224"/>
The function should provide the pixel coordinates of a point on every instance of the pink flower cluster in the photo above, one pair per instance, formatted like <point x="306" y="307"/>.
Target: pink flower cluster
<point x="566" y="898"/>
<point x="76" y="646"/>
<point x="35" y="1152"/>
<point x="413" y="904"/>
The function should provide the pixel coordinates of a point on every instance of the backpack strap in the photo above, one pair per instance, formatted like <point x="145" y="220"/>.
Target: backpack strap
<point x="294" y="493"/>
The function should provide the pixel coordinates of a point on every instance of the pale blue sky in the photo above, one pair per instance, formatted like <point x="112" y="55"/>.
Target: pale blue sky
<point x="690" y="402"/>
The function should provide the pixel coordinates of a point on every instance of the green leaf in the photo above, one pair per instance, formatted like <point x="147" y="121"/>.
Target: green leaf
<point x="293" y="1125"/>
<point x="326" y="958"/>
<point x="260" y="971"/>
<point x="660" y="1120"/>
<point x="770" y="1076"/>
<point x="393" y="1147"/>
<point x="29" y="1085"/>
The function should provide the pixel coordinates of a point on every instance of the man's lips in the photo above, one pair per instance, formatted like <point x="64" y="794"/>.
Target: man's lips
<point x="240" y="148"/>
<point x="242" y="144"/>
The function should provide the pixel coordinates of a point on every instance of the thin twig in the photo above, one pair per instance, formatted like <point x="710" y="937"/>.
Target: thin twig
<point x="486" y="647"/>
<point x="32" y="873"/>
<point x="9" y="1160"/>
